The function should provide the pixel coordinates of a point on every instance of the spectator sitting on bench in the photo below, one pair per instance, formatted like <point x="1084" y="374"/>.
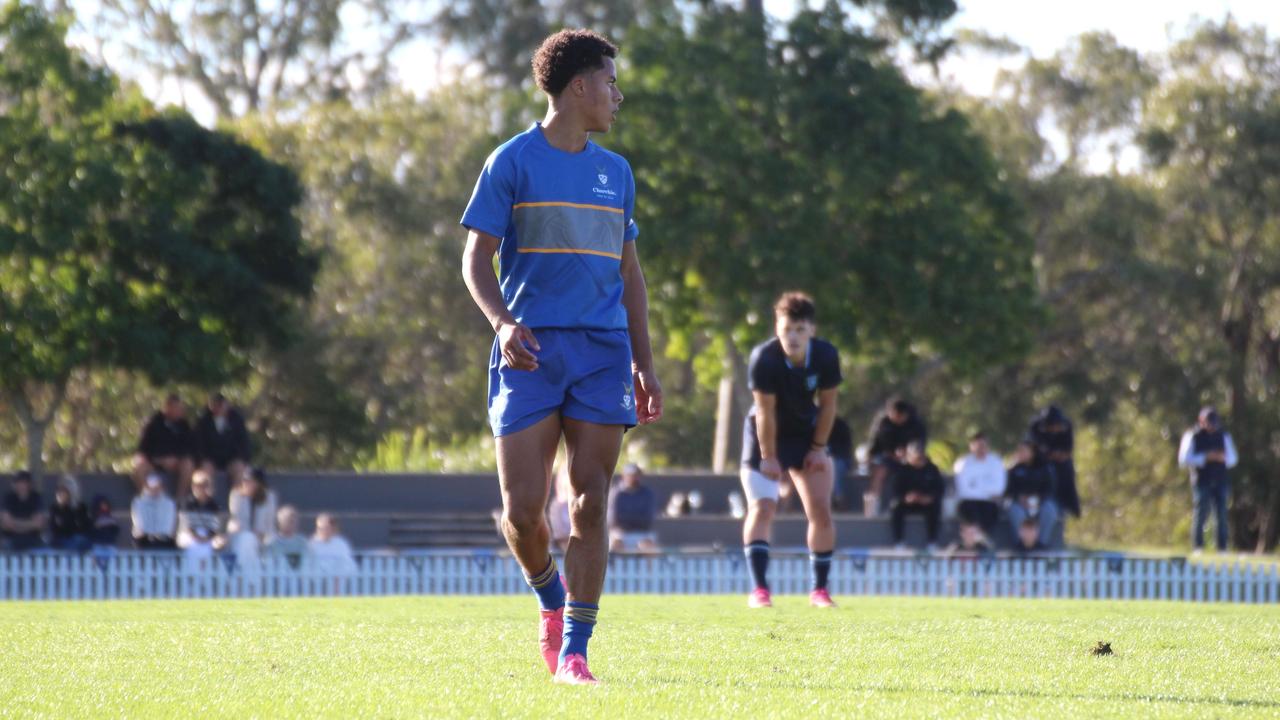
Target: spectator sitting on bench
<point x="200" y="519"/>
<point x="971" y="540"/>
<point x="1029" y="538"/>
<point x="331" y="552"/>
<point x="896" y="427"/>
<point x="154" y="516"/>
<point x="68" y="518"/>
<point x="1030" y="493"/>
<point x="23" y="518"/>
<point x="288" y="543"/>
<point x="917" y="489"/>
<point x="980" y="481"/>
<point x="222" y="440"/>
<point x="632" y="509"/>
<point x="167" y="445"/>
<point x="253" y="505"/>
<point x="104" y="531"/>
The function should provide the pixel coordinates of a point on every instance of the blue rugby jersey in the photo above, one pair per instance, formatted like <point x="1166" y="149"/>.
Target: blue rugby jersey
<point x="562" y="218"/>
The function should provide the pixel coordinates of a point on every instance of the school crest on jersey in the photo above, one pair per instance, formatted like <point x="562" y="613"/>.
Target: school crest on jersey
<point x="811" y="382"/>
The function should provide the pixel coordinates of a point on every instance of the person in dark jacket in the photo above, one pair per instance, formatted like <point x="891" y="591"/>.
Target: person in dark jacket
<point x="222" y="441"/>
<point x="104" y="529"/>
<point x="1054" y="440"/>
<point x="1209" y="452"/>
<point x="1029" y="490"/>
<point x="897" y="426"/>
<point x="917" y="489"/>
<point x="68" y="518"/>
<point x="22" y="515"/>
<point x="167" y="445"/>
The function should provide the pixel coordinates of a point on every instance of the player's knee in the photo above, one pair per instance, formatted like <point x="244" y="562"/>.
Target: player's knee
<point x="521" y="521"/>
<point x="589" y="509"/>
<point x="820" y="516"/>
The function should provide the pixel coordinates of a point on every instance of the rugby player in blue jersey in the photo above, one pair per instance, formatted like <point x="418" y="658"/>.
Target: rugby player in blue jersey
<point x="571" y="358"/>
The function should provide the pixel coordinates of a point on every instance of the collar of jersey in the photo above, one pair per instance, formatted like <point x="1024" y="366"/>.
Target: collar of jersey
<point x="807" y="349"/>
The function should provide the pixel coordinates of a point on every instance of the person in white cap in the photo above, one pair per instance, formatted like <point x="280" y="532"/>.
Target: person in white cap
<point x="632" y="509"/>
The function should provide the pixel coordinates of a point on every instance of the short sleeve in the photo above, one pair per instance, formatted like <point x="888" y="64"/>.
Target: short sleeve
<point x="829" y="372"/>
<point x="630" y="230"/>
<point x="489" y="211"/>
<point x="761" y="375"/>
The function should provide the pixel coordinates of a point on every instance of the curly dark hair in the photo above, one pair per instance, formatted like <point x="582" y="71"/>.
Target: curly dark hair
<point x="565" y="54"/>
<point x="796" y="306"/>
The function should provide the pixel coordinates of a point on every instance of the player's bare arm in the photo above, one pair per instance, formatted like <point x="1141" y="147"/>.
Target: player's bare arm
<point x="635" y="298"/>
<point x="818" y="457"/>
<point x="477" y="270"/>
<point x="767" y="433"/>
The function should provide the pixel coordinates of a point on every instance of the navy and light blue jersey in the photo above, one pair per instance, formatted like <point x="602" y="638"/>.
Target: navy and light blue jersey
<point x="562" y="218"/>
<point x="769" y="371"/>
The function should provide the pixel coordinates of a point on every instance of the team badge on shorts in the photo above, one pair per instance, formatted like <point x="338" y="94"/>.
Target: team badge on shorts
<point x="627" y="395"/>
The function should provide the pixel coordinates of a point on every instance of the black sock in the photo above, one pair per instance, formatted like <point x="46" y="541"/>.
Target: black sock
<point x="820" y="563"/>
<point x="758" y="554"/>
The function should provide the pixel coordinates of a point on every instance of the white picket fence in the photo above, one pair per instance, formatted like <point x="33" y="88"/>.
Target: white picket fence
<point x="135" y="575"/>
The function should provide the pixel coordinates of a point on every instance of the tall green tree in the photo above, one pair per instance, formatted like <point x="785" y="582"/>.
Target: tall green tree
<point x="130" y="239"/>
<point x="813" y="162"/>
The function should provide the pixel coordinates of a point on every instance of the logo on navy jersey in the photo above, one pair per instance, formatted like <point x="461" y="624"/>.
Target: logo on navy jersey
<point x="811" y="382"/>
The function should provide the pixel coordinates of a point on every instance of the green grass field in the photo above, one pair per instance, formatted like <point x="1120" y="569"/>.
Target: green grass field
<point x="657" y="656"/>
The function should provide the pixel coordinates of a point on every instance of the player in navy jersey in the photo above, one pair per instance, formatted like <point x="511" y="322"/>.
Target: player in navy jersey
<point x="569" y="306"/>
<point x="787" y="432"/>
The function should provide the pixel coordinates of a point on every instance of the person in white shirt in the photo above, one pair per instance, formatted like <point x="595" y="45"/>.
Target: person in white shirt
<point x="329" y="550"/>
<point x="253" y="506"/>
<point x="980" y="482"/>
<point x="155" y="516"/>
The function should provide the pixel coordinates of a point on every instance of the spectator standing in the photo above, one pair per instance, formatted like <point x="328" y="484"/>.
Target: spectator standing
<point x="167" y="445"/>
<point x="155" y="516"/>
<point x="917" y="490"/>
<point x="896" y="427"/>
<point x="23" y="518"/>
<point x="330" y="551"/>
<point x="103" y="530"/>
<point x="980" y="482"/>
<point x="632" y="509"/>
<point x="253" y="506"/>
<point x="222" y="440"/>
<point x="1209" y="452"/>
<point x="1030" y="493"/>
<point x="1054" y="441"/>
<point x="288" y="542"/>
<point x="69" y="521"/>
<point x="200" y="519"/>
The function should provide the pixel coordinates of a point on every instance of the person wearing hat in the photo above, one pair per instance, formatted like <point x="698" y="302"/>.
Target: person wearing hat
<point x="23" y="518"/>
<point x="1209" y="452"/>
<point x="155" y="516"/>
<point x="632" y="509"/>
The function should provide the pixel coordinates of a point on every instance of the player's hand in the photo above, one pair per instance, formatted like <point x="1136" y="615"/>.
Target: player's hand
<point x="817" y="460"/>
<point x="648" y="397"/>
<point x="515" y="341"/>
<point x="770" y="468"/>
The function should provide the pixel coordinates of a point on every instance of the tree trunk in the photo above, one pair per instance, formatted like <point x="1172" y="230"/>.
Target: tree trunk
<point x="732" y="402"/>
<point x="34" y="423"/>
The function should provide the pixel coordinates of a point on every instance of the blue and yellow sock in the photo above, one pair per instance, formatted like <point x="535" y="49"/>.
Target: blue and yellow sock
<point x="548" y="586"/>
<point x="820" y="564"/>
<point x="579" y="622"/>
<point x="758" y="554"/>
